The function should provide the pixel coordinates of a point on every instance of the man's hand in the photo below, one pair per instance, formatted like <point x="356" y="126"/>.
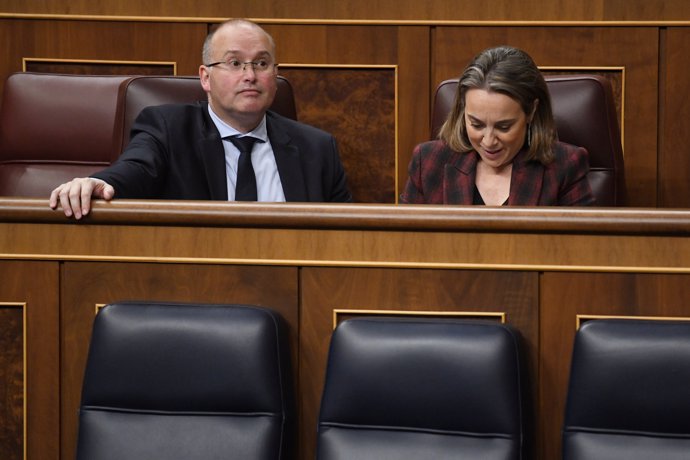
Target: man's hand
<point x="75" y="196"/>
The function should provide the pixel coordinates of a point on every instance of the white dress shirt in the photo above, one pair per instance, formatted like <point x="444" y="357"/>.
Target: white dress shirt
<point x="268" y="185"/>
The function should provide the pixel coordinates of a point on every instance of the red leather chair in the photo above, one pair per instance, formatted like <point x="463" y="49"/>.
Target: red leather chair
<point x="145" y="91"/>
<point x="57" y="127"/>
<point x="54" y="127"/>
<point x="585" y="115"/>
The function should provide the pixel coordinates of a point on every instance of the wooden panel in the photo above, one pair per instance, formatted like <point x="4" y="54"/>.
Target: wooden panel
<point x="383" y="9"/>
<point x="88" y="284"/>
<point x="34" y="284"/>
<point x="507" y="238"/>
<point x="674" y="158"/>
<point x="358" y="45"/>
<point x="335" y="44"/>
<point x="414" y="105"/>
<point x="357" y="106"/>
<point x="541" y="266"/>
<point x="323" y="290"/>
<point x="566" y="295"/>
<point x="636" y="49"/>
<point x="12" y="381"/>
<point x="136" y="41"/>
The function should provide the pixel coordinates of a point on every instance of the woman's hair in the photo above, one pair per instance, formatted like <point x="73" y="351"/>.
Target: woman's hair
<point x="512" y="72"/>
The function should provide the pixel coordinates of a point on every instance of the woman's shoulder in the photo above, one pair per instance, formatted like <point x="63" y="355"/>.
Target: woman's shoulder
<point x="432" y="145"/>
<point x="569" y="157"/>
<point x="563" y="150"/>
<point x="433" y="149"/>
<point x="568" y="153"/>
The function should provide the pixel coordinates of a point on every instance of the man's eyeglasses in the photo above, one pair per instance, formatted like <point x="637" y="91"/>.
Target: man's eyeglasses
<point x="233" y="65"/>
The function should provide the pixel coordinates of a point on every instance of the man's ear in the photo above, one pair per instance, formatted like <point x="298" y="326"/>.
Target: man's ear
<point x="204" y="77"/>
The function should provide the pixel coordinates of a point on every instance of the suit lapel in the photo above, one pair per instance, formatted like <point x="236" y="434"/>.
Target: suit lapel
<point x="526" y="181"/>
<point x="459" y="176"/>
<point x="210" y="149"/>
<point x="287" y="157"/>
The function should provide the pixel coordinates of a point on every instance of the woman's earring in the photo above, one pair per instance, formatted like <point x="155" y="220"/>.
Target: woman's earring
<point x="529" y="135"/>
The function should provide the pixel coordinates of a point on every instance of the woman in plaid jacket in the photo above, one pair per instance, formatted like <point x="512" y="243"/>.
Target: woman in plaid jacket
<point x="499" y="144"/>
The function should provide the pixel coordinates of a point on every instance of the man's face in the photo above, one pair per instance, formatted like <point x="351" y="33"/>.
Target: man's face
<point x="240" y="95"/>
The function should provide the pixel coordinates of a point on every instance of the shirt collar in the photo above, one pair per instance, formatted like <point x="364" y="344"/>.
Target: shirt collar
<point x="226" y="130"/>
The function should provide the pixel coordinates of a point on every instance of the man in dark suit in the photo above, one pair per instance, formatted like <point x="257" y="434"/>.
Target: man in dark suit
<point x="198" y="151"/>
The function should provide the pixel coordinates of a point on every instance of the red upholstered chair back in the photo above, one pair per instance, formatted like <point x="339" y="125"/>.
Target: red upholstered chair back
<point x="54" y="127"/>
<point x="146" y="91"/>
<point x="585" y="115"/>
<point x="57" y="127"/>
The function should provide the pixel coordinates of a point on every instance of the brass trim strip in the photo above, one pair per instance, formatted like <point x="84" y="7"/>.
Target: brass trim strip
<point x="25" y="395"/>
<point x="372" y="22"/>
<point x="26" y="60"/>
<point x="397" y="136"/>
<point x="336" y="66"/>
<point x="579" y="319"/>
<point x="487" y="314"/>
<point x="353" y="264"/>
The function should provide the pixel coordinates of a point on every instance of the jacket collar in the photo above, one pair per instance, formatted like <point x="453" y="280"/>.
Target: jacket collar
<point x="210" y="149"/>
<point x="461" y="172"/>
<point x="288" y="160"/>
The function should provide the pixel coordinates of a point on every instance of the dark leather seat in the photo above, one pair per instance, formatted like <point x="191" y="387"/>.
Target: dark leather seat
<point x="57" y="127"/>
<point x="182" y="381"/>
<point x="416" y="389"/>
<point x="628" y="396"/>
<point x="145" y="91"/>
<point x="584" y="110"/>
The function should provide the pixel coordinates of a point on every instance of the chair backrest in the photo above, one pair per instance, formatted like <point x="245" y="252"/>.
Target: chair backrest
<point x="54" y="127"/>
<point x="628" y="394"/>
<point x="409" y="389"/>
<point x="182" y="381"/>
<point x="57" y="127"/>
<point x="585" y="114"/>
<point x="145" y="91"/>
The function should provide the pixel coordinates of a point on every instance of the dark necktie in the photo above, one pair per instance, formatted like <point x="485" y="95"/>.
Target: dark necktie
<point x="245" y="188"/>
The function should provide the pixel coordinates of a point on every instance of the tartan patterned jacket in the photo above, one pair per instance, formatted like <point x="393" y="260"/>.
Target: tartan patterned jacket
<point x="439" y="175"/>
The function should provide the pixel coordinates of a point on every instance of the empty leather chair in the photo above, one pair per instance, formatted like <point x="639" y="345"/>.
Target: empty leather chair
<point x="57" y="127"/>
<point x="585" y="114"/>
<point x="145" y="91"/>
<point x="628" y="396"/>
<point x="416" y="389"/>
<point x="182" y="381"/>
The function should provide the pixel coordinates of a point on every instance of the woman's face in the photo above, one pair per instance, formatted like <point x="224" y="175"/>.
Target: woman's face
<point x="496" y="126"/>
